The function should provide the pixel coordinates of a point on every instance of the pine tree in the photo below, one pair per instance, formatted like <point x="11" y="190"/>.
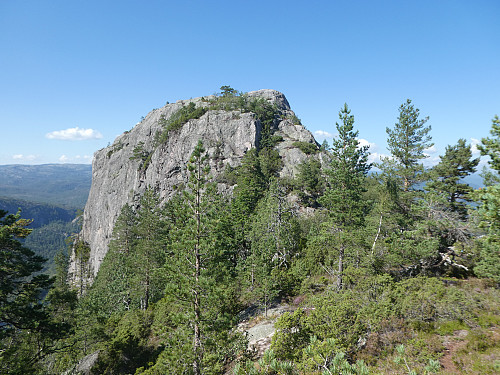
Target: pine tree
<point x="28" y="332"/>
<point x="345" y="180"/>
<point x="274" y="242"/>
<point x="407" y="142"/>
<point x="198" y="263"/>
<point x="491" y="146"/>
<point x="489" y="208"/>
<point x="310" y="181"/>
<point x="456" y="164"/>
<point x="148" y="256"/>
<point x="250" y="188"/>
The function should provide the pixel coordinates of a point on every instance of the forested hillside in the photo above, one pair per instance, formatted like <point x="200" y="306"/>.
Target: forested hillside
<point x="57" y="184"/>
<point x="380" y="276"/>
<point x="50" y="196"/>
<point x="41" y="213"/>
<point x="51" y="228"/>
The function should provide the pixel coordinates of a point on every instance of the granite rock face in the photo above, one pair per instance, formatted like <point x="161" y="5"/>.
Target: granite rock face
<point x="227" y="135"/>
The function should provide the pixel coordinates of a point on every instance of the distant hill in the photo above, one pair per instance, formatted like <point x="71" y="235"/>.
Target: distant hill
<point x="51" y="226"/>
<point x="50" y="195"/>
<point x="58" y="184"/>
<point x="41" y="213"/>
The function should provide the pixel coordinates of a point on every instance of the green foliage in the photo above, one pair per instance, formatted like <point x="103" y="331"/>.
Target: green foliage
<point x="345" y="185"/>
<point x="310" y="182"/>
<point x="456" y="164"/>
<point x="144" y="156"/>
<point x="323" y="356"/>
<point x="406" y="143"/>
<point x="197" y="268"/>
<point x="345" y="177"/>
<point x="178" y="119"/>
<point x="28" y="327"/>
<point x="115" y="148"/>
<point x="19" y="305"/>
<point x="293" y="335"/>
<point x="295" y="120"/>
<point x="129" y="347"/>
<point x="81" y="251"/>
<point x="491" y="146"/>
<point x="306" y="147"/>
<point x="167" y="296"/>
<point x="274" y="242"/>
<point x="131" y="277"/>
<point x="50" y="240"/>
<point x="270" y="163"/>
<point x="488" y="265"/>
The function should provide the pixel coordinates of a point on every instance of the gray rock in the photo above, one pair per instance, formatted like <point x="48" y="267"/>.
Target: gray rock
<point x="116" y="179"/>
<point x="84" y="366"/>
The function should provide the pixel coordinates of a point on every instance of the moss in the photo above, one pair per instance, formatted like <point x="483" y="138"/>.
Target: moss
<point x="449" y="327"/>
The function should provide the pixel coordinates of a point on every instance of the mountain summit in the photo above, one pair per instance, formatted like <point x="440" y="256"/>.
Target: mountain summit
<point x="154" y="154"/>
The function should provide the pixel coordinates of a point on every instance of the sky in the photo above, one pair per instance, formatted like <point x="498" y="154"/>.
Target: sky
<point x="76" y="74"/>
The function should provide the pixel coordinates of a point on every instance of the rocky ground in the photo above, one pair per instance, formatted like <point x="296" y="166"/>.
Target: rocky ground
<point x="259" y="328"/>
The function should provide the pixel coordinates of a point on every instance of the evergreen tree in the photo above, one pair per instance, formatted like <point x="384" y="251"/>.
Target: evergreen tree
<point x="113" y="288"/>
<point x="407" y="142"/>
<point x="250" y="188"/>
<point x="148" y="256"/>
<point x="491" y="146"/>
<point x="345" y="180"/>
<point x="274" y="242"/>
<point x="28" y="332"/>
<point x="197" y="267"/>
<point x="456" y="164"/>
<point x="489" y="208"/>
<point x="310" y="181"/>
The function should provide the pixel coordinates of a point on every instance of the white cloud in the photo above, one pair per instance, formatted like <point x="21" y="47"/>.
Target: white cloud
<point x="430" y="150"/>
<point x="371" y="146"/>
<point x="376" y="157"/>
<point x="323" y="134"/>
<point x="79" y="159"/>
<point x="431" y="161"/>
<point x="21" y="157"/>
<point x="74" y="134"/>
<point x="83" y="158"/>
<point x="473" y="146"/>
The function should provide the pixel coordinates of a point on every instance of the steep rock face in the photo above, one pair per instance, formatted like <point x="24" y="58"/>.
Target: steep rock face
<point x="227" y="135"/>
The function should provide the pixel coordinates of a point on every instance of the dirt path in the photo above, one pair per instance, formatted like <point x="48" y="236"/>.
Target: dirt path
<point x="452" y="344"/>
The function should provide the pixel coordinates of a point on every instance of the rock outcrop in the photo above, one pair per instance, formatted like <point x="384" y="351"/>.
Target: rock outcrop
<point x="117" y="179"/>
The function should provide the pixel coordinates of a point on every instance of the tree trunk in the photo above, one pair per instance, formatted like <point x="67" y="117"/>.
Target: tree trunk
<point x="197" y="271"/>
<point x="341" y="267"/>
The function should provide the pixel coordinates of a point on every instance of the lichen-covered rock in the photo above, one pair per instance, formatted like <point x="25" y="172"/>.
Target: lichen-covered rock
<point x="227" y="135"/>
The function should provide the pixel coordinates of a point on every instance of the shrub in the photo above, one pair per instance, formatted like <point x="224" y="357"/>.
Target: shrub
<point x="177" y="119"/>
<point x="306" y="147"/>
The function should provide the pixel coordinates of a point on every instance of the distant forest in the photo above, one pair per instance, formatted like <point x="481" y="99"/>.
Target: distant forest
<point x="65" y="185"/>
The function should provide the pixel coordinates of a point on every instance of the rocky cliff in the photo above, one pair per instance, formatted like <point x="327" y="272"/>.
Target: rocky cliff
<point x="119" y="176"/>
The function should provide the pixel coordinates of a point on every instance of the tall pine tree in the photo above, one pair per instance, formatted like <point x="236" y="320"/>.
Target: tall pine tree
<point x="406" y="143"/>
<point x="489" y="208"/>
<point x="345" y="186"/>
<point x="447" y="176"/>
<point x="198" y="266"/>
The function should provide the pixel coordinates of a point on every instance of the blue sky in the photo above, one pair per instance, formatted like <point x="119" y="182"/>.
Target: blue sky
<point x="76" y="74"/>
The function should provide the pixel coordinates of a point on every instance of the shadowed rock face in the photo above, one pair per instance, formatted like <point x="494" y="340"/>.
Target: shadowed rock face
<point x="116" y="179"/>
